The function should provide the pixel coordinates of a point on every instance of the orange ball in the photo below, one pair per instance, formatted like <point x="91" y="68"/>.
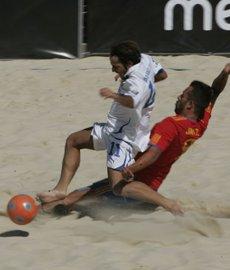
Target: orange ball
<point x="22" y="209"/>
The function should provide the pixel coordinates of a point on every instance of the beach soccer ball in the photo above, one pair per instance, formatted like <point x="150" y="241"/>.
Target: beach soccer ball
<point x="22" y="209"/>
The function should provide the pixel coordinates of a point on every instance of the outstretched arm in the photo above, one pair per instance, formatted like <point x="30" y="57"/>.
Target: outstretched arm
<point x="149" y="157"/>
<point x="126" y="101"/>
<point x="220" y="82"/>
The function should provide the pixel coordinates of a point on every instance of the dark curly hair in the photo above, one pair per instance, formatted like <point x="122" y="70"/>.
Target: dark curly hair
<point x="126" y="51"/>
<point x="201" y="95"/>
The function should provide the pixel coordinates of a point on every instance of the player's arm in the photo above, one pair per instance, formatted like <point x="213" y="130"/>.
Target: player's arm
<point x="126" y="101"/>
<point x="149" y="157"/>
<point x="161" y="75"/>
<point x="163" y="136"/>
<point x="219" y="83"/>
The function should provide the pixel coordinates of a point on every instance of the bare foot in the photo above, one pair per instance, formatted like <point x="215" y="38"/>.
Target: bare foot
<point x="51" y="196"/>
<point x="48" y="207"/>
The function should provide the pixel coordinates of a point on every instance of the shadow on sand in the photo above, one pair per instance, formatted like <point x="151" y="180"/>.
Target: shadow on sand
<point x="108" y="208"/>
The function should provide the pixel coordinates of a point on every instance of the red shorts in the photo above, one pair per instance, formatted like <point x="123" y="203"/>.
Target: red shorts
<point x="152" y="177"/>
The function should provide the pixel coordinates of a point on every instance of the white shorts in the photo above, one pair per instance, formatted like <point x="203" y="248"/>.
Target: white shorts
<point x="119" y="152"/>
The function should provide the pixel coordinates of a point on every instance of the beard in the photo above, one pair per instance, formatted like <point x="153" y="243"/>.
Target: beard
<point x="178" y="107"/>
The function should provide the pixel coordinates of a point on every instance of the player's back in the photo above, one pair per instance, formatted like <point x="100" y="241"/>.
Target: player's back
<point x="173" y="136"/>
<point x="179" y="134"/>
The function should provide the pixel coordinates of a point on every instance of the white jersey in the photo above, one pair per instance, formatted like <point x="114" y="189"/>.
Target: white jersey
<point x="132" y="125"/>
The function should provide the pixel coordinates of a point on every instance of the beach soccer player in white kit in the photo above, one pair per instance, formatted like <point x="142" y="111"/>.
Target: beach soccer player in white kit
<point x="127" y="129"/>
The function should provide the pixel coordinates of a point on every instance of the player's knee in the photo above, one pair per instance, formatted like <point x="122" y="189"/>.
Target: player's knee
<point x="132" y="188"/>
<point x="116" y="190"/>
<point x="118" y="187"/>
<point x="80" y="140"/>
<point x="71" y="141"/>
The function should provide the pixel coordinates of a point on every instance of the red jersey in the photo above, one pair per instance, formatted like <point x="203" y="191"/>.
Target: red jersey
<point x="173" y="136"/>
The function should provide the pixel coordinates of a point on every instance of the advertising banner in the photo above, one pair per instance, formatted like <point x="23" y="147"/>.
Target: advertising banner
<point x="160" y="26"/>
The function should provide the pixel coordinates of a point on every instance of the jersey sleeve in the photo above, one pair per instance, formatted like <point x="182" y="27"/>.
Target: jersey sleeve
<point x="156" y="66"/>
<point x="132" y="89"/>
<point x="163" y="134"/>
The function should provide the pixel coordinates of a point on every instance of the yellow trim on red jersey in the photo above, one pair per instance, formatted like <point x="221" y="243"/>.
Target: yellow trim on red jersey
<point x="178" y="118"/>
<point x="155" y="138"/>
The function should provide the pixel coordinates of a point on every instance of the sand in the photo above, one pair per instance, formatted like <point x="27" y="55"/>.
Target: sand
<point x="41" y="103"/>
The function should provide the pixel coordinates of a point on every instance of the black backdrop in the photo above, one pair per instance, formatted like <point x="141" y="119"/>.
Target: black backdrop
<point x="49" y="28"/>
<point x="111" y="21"/>
<point x="38" y="28"/>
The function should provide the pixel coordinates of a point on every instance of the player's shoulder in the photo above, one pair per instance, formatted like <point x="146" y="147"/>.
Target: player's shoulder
<point x="171" y="122"/>
<point x="165" y="127"/>
<point x="133" y="80"/>
<point x="130" y="81"/>
<point x="129" y="85"/>
<point x="177" y="118"/>
<point x="147" y="57"/>
<point x="167" y="122"/>
<point x="173" y="119"/>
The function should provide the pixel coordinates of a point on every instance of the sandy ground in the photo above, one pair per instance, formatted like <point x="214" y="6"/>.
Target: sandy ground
<point x="41" y="102"/>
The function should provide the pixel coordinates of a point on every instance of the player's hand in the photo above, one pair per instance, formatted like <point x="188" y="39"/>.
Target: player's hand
<point x="174" y="207"/>
<point x="106" y="93"/>
<point x="127" y="174"/>
<point x="116" y="77"/>
<point x="227" y="68"/>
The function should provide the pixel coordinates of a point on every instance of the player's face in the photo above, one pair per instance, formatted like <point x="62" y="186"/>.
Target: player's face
<point x="182" y="100"/>
<point x="117" y="66"/>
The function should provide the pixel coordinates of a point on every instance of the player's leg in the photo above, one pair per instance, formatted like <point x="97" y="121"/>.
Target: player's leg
<point x="140" y="191"/>
<point x="119" y="155"/>
<point x="74" y="143"/>
<point x="66" y="205"/>
<point x="96" y="189"/>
